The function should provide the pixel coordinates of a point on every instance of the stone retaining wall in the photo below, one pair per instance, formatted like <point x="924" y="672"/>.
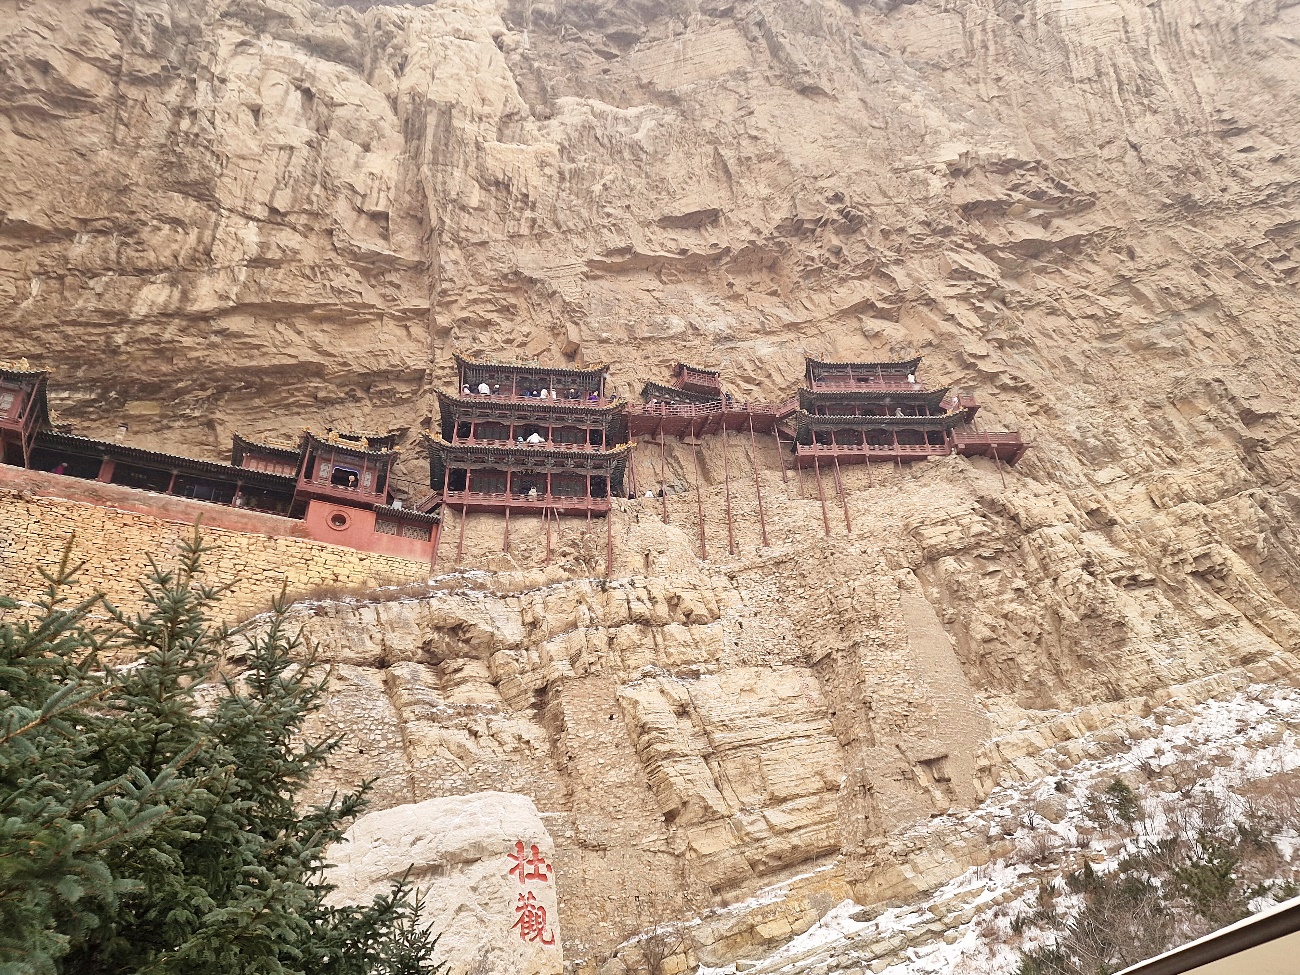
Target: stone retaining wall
<point x="116" y="535"/>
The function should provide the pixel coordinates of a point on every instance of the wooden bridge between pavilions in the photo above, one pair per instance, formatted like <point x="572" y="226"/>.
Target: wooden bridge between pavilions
<point x="702" y="419"/>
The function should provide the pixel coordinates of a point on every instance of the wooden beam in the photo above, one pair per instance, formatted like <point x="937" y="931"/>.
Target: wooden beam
<point x="726" y="484"/>
<point x="699" y="500"/>
<point x="663" y="475"/>
<point x="780" y="450"/>
<point x="758" y="490"/>
<point x="464" y="510"/>
<point x="844" y="499"/>
<point x="442" y="515"/>
<point x="821" y="492"/>
<point x="609" y="543"/>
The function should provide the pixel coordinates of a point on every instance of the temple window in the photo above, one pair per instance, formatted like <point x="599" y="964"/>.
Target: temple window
<point x="344" y="477"/>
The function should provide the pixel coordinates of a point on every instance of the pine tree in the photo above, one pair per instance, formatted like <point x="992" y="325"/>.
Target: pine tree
<point x="58" y="818"/>
<point x="222" y="872"/>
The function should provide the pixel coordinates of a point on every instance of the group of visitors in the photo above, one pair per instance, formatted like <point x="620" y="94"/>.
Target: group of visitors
<point x="543" y="393"/>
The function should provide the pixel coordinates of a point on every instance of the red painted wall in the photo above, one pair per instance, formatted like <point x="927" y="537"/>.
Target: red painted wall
<point x="337" y="524"/>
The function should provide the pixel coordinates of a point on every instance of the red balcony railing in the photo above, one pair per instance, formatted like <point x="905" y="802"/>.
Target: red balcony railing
<point x="502" y="498"/>
<point x="888" y="383"/>
<point x="938" y="450"/>
<point x="522" y="445"/>
<point x="560" y="400"/>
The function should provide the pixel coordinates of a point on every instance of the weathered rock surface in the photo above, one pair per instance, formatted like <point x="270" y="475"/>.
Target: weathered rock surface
<point x="474" y="858"/>
<point x="254" y="215"/>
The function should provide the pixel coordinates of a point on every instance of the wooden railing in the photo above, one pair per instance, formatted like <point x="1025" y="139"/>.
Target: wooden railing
<point x="975" y="438"/>
<point x="902" y="448"/>
<point x="867" y="384"/>
<point x="676" y="409"/>
<point x="540" y="501"/>
<point x="535" y="400"/>
<point x="342" y="490"/>
<point x="511" y="444"/>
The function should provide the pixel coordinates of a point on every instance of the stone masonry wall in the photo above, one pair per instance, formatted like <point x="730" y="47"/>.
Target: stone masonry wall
<point x="116" y="544"/>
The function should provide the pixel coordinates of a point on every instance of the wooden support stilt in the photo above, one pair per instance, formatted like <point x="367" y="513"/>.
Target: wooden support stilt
<point x="844" y="498"/>
<point x="505" y="539"/>
<point x="631" y="469"/>
<point x="897" y="456"/>
<point x="609" y="544"/>
<point x="780" y="451"/>
<point x="546" y="520"/>
<point x="437" y="540"/>
<point x="821" y="493"/>
<point x="460" y="542"/>
<point x="726" y="487"/>
<point x="998" y="462"/>
<point x="866" y="456"/>
<point x="758" y="490"/>
<point x="663" y="473"/>
<point x="699" y="499"/>
<point x="442" y="518"/>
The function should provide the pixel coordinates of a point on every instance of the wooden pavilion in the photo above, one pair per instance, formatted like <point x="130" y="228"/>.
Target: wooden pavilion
<point x="539" y="439"/>
<point x="857" y="412"/>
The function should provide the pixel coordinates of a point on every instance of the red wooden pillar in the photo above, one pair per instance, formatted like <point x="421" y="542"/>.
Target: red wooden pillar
<point x="821" y="491"/>
<point x="758" y="490"/>
<point x="844" y="499"/>
<point x="106" y="470"/>
<point x="609" y="543"/>
<point x="663" y="476"/>
<point x="442" y="516"/>
<point x="726" y="484"/>
<point x="699" y="501"/>
<point x="505" y="540"/>
<point x="780" y="450"/>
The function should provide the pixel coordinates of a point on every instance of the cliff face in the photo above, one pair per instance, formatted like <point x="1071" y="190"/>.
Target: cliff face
<point x="255" y="215"/>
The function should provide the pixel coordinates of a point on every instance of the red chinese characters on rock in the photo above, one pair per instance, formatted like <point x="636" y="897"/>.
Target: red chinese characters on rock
<point x="528" y="865"/>
<point x="532" y="920"/>
<point x="531" y="865"/>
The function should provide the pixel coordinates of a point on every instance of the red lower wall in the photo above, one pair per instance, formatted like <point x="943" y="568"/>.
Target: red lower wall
<point x="337" y="524"/>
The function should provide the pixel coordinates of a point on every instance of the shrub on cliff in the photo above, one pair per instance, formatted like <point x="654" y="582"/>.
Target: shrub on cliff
<point x="1182" y="867"/>
<point x="149" y="815"/>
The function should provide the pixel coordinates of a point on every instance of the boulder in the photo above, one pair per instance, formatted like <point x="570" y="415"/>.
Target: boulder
<point x="485" y="864"/>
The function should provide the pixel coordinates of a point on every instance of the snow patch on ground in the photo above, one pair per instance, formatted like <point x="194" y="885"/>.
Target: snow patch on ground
<point x="962" y="927"/>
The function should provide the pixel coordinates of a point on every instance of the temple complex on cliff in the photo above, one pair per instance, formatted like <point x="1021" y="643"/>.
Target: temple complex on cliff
<point x="527" y="438"/>
<point x="523" y="438"/>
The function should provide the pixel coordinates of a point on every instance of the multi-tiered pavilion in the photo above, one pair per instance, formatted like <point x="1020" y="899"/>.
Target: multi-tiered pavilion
<point x="529" y="438"/>
<point x="854" y="412"/>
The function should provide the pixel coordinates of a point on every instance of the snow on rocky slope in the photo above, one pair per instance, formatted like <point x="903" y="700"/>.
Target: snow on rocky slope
<point x="1044" y="827"/>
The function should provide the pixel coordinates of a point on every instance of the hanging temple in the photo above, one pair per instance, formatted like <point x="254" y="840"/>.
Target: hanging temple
<point x="523" y="439"/>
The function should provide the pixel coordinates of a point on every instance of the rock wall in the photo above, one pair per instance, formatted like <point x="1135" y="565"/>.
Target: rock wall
<point x="114" y="536"/>
<point x="252" y="215"/>
<point x="696" y="732"/>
